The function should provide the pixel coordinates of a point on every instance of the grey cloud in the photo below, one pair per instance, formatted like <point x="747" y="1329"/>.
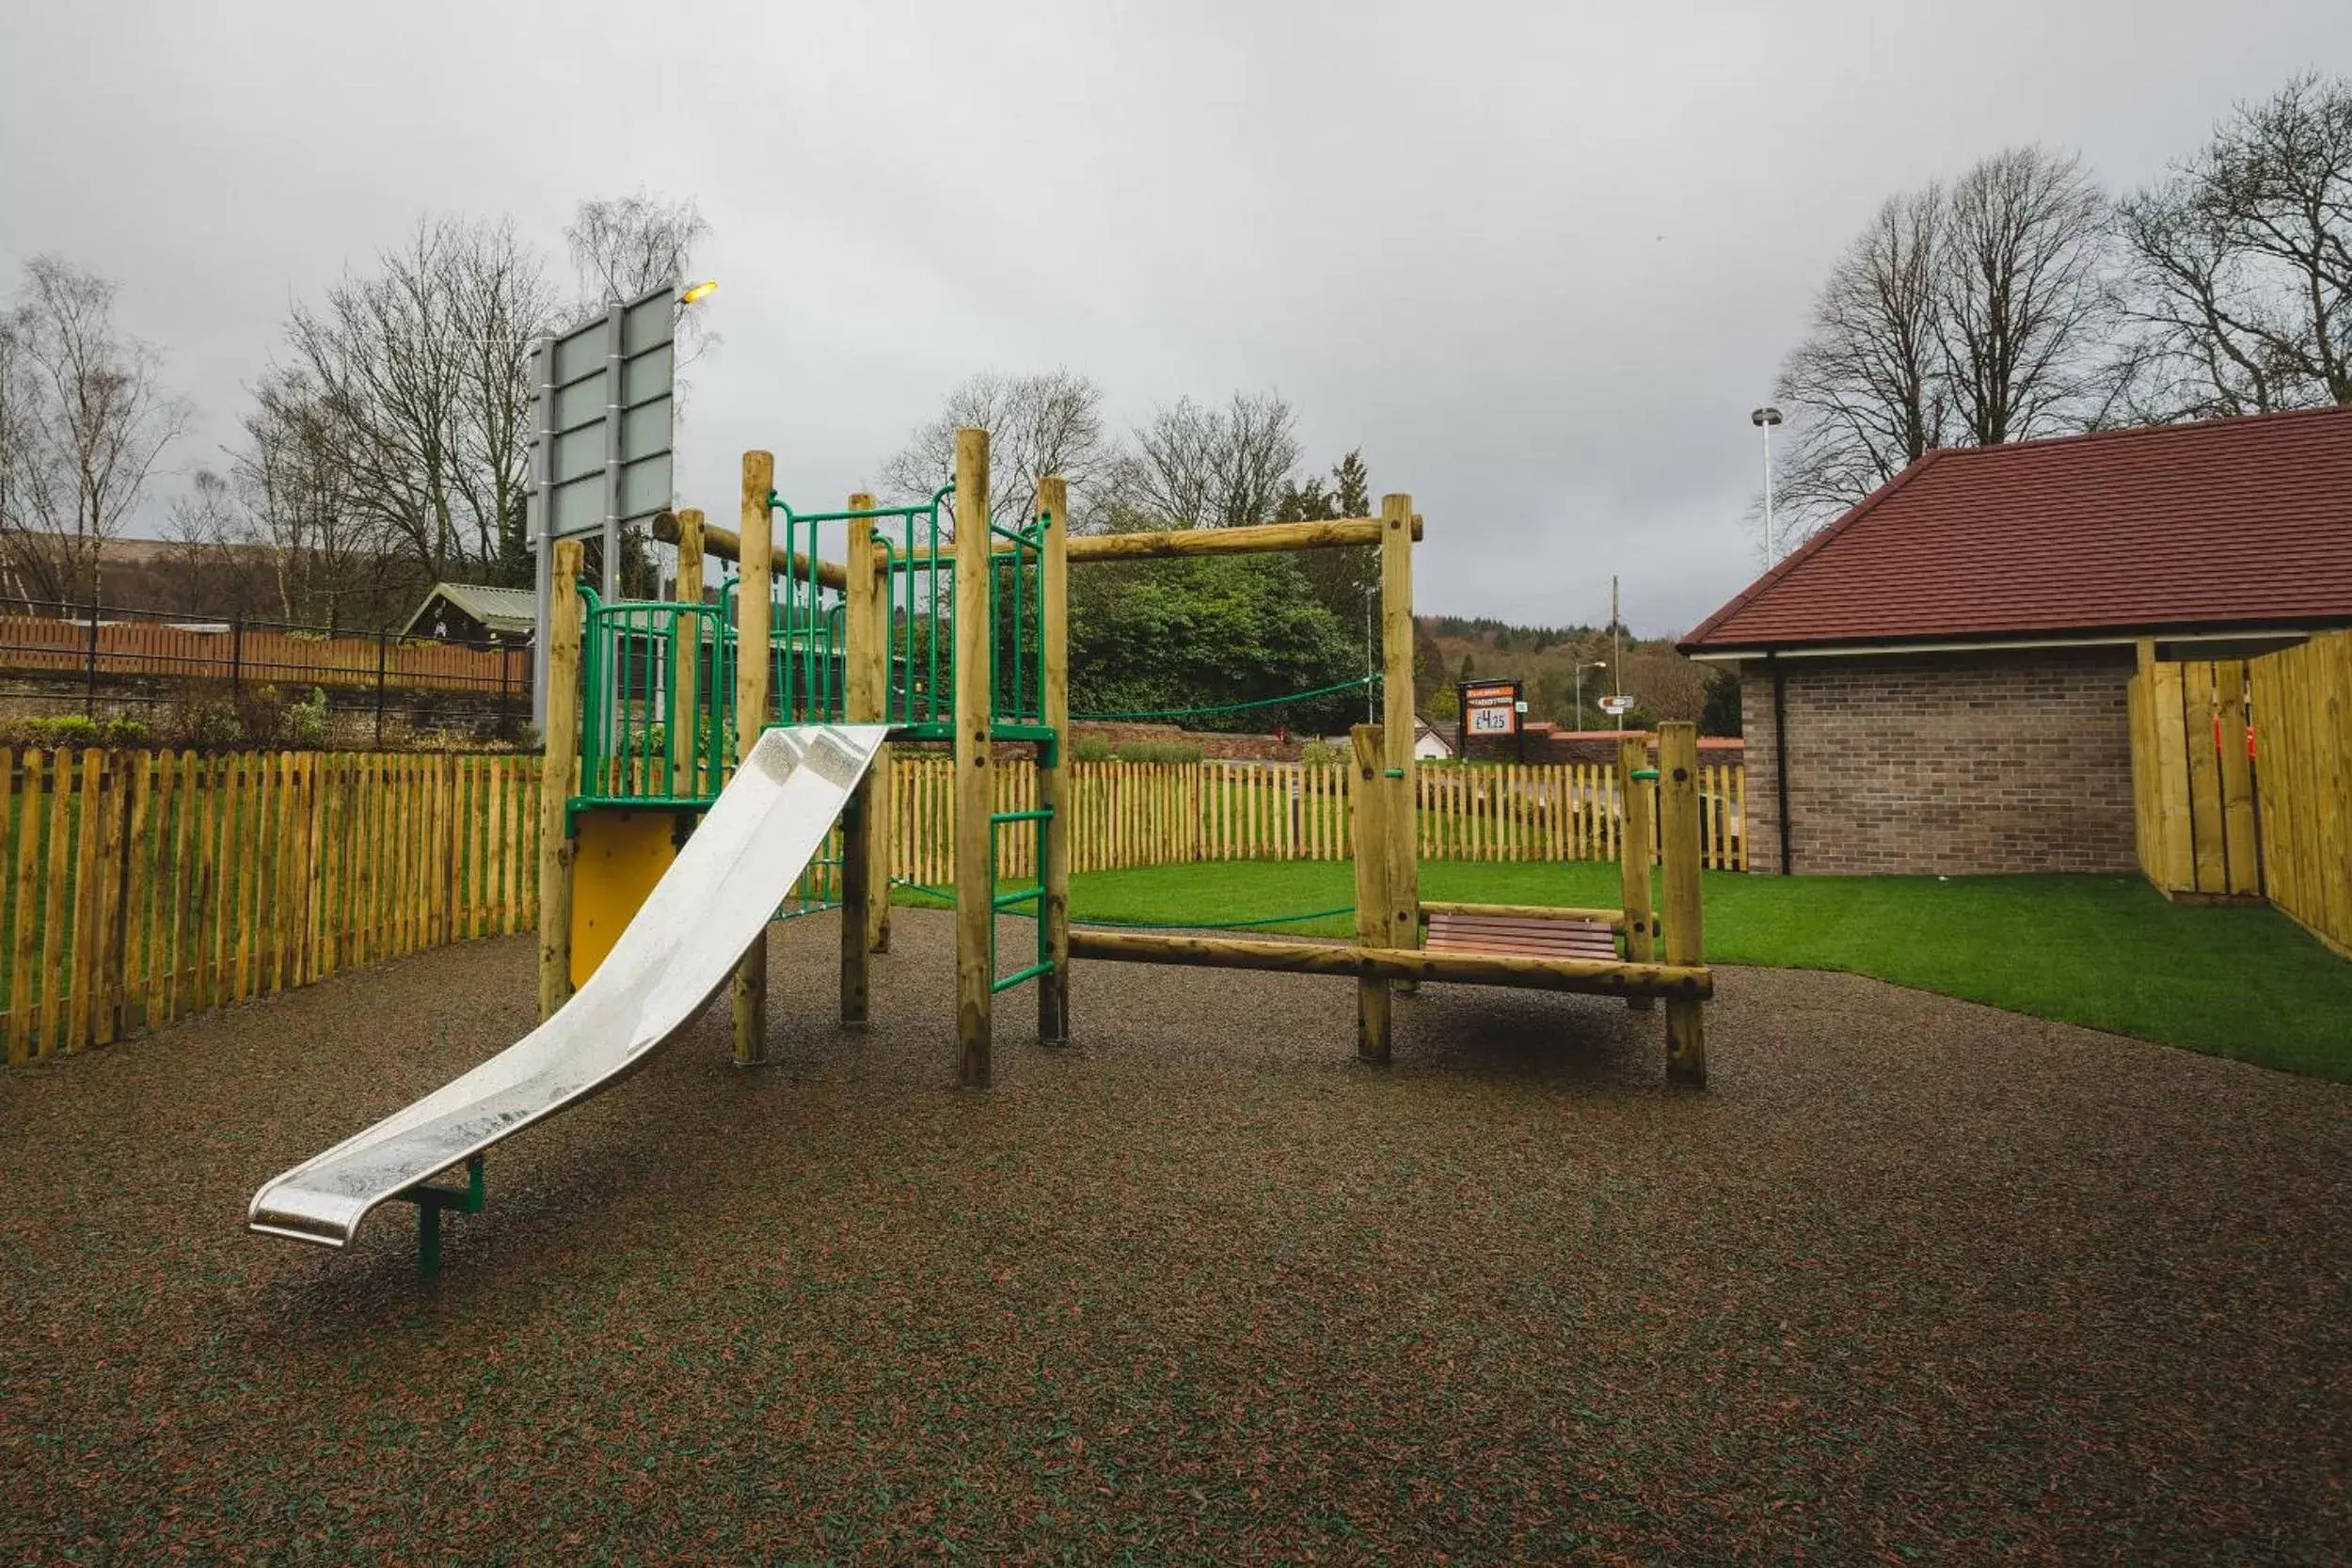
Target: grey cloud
<point x="1538" y="261"/>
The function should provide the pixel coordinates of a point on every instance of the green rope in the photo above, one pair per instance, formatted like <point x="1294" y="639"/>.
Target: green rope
<point x="946" y="895"/>
<point x="1357" y="685"/>
<point x="1222" y="924"/>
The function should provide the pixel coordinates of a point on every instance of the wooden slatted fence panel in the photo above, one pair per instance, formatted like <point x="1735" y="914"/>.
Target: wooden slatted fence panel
<point x="35" y="644"/>
<point x="2192" y="781"/>
<point x="1125" y="815"/>
<point x="2302" y="704"/>
<point x="138" y="887"/>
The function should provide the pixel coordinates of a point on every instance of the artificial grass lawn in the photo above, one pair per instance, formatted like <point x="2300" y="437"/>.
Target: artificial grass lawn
<point x="2108" y="952"/>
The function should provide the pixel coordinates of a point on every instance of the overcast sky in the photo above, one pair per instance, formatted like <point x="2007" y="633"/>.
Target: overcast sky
<point x="1538" y="261"/>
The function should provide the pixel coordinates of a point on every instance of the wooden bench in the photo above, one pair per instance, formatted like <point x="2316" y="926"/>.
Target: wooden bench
<point x="1521" y="936"/>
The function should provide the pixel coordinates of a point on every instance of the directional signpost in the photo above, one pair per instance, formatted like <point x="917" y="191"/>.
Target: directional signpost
<point x="601" y="427"/>
<point x="1618" y="705"/>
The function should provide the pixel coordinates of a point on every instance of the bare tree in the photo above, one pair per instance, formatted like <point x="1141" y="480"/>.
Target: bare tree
<point x="199" y="532"/>
<point x="419" y="378"/>
<point x="83" y="420"/>
<point x="624" y="246"/>
<point x="1050" y="423"/>
<point x="1971" y="314"/>
<point x="2024" y="299"/>
<point x="2242" y="260"/>
<point x="1194" y="467"/>
<point x="1867" y="382"/>
<point x="292" y="488"/>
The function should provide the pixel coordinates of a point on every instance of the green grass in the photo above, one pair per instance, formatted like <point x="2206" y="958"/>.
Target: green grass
<point x="2108" y="952"/>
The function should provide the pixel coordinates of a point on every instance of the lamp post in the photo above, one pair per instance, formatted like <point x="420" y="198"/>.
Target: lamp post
<point x="1596" y="664"/>
<point x="1764" y="419"/>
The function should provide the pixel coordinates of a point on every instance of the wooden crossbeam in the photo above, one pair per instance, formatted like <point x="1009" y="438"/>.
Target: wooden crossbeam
<point x="727" y="545"/>
<point x="1687" y="981"/>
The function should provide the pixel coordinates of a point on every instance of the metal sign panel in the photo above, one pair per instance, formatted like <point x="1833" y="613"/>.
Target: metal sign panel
<point x="604" y="416"/>
<point x="603" y="422"/>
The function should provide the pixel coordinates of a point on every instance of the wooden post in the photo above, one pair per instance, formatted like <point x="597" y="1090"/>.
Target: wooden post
<point x="1397" y="710"/>
<point x="560" y="762"/>
<point x="861" y="823"/>
<point x="1641" y="929"/>
<point x="976" y="793"/>
<point x="1368" y="801"/>
<point x="753" y="611"/>
<point x="1053" y="775"/>
<point x="1678" y="819"/>
<point x="684" y="695"/>
<point x="876" y="585"/>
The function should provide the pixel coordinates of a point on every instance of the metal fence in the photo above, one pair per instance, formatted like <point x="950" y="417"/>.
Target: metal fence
<point x="62" y="658"/>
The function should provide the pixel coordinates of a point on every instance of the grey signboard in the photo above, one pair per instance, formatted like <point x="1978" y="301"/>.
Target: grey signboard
<point x="601" y="446"/>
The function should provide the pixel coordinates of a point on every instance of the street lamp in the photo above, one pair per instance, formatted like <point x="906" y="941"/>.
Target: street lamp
<point x="1596" y="664"/>
<point x="694" y="292"/>
<point x="1764" y="419"/>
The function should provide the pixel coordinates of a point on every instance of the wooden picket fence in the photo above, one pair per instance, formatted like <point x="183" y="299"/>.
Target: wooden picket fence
<point x="1127" y="815"/>
<point x="143" y="886"/>
<point x="2192" y="779"/>
<point x="2302" y="700"/>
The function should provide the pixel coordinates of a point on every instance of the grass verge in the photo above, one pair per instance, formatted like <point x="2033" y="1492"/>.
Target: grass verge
<point x="2108" y="952"/>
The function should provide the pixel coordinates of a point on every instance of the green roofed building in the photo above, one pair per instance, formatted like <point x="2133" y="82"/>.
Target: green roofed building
<point x="474" y="616"/>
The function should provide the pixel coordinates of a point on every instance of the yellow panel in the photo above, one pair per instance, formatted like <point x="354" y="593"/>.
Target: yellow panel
<point x="621" y="855"/>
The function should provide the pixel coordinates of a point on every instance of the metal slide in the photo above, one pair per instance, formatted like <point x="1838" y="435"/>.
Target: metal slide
<point x="715" y="901"/>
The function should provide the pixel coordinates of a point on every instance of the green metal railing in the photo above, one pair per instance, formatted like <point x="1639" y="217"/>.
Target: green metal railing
<point x="631" y="742"/>
<point x="999" y="902"/>
<point x="635" y="751"/>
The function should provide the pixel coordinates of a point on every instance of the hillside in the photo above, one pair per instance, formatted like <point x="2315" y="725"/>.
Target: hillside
<point x="1543" y="659"/>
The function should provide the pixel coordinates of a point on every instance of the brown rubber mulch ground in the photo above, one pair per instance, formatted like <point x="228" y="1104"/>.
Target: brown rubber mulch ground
<point x="1914" y="1279"/>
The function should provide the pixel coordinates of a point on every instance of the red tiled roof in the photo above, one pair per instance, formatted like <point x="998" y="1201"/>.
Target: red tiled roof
<point x="2225" y="523"/>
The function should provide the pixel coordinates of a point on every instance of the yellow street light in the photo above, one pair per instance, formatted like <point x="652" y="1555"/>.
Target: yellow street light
<point x="694" y="292"/>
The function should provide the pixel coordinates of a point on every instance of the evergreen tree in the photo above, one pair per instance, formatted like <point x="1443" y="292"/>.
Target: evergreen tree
<point x="1351" y="486"/>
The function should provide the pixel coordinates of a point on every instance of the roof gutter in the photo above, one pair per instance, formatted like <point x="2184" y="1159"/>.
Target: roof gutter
<point x="1991" y="644"/>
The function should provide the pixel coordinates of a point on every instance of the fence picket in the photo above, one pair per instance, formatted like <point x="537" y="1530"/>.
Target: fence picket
<point x="26" y="936"/>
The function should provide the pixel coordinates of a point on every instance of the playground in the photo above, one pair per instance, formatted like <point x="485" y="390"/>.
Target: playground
<point x="1910" y="1276"/>
<point x="1409" y="1219"/>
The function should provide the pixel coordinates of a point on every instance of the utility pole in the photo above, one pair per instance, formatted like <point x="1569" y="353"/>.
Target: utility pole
<point x="1616" y="645"/>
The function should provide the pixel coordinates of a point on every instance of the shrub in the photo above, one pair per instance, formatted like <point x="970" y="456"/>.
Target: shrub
<point x="1090" y="748"/>
<point x="1317" y="754"/>
<point x="200" y="715"/>
<point x="306" y="720"/>
<point x="261" y="716"/>
<point x="72" y="732"/>
<point x="1160" y="751"/>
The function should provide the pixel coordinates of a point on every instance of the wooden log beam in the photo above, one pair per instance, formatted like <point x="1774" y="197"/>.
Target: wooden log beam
<point x="862" y="679"/>
<point x="686" y="744"/>
<point x="727" y="545"/>
<point x="975" y="793"/>
<point x="1398" y="529"/>
<point x="1692" y="982"/>
<point x="1678" y="848"/>
<point x="872" y="652"/>
<point x="1338" y="534"/>
<point x="1613" y="918"/>
<point x="1368" y="801"/>
<point x="1053" y="775"/>
<point x="752" y="613"/>
<point x="1638" y="801"/>
<point x="559" y="762"/>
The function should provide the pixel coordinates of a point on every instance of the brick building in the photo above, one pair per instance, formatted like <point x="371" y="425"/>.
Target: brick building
<point x="1935" y="683"/>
